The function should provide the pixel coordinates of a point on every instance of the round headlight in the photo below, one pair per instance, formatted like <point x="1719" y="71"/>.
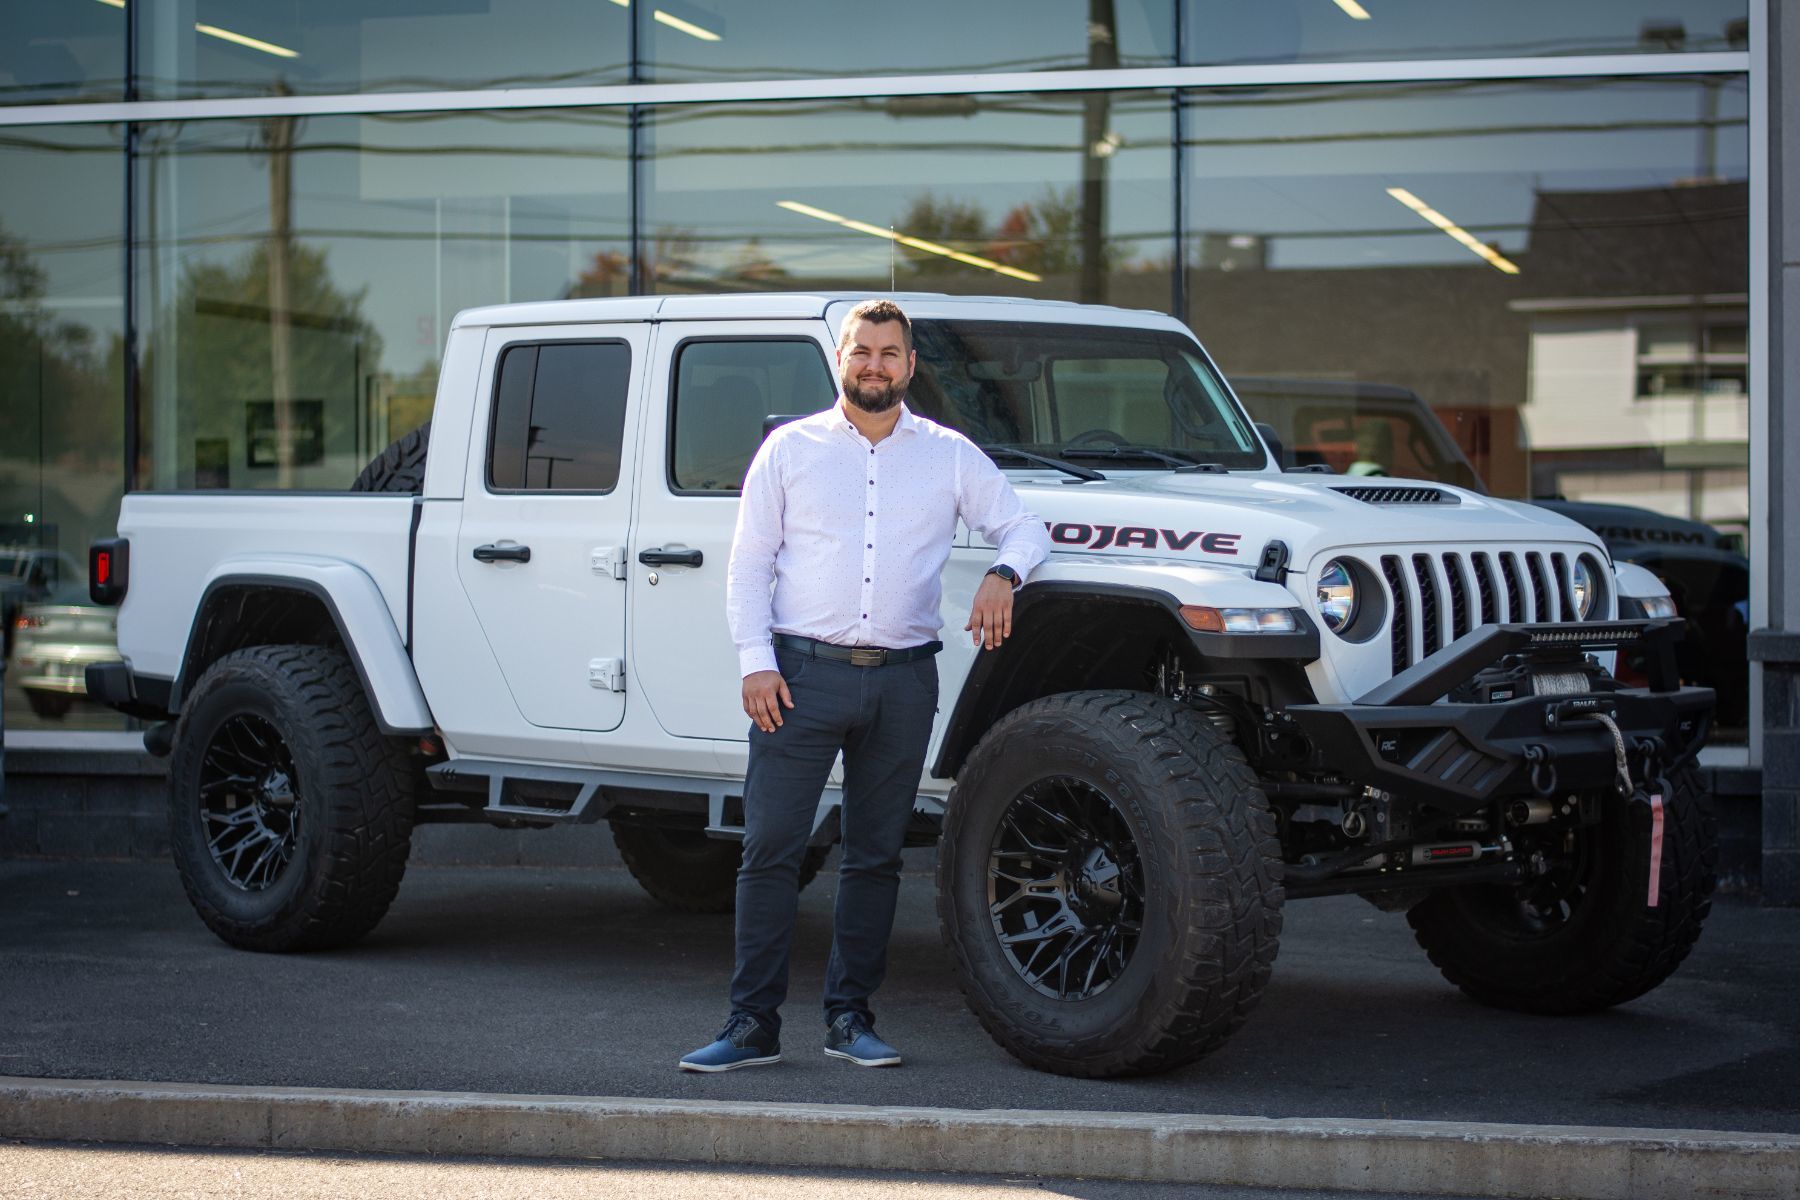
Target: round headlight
<point x="1337" y="596"/>
<point x="1586" y="587"/>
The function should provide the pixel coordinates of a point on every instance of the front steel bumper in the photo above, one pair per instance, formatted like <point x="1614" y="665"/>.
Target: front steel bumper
<point x="1404" y="738"/>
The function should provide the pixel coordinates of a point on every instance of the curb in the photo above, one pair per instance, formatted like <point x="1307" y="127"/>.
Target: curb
<point x="1572" y="1162"/>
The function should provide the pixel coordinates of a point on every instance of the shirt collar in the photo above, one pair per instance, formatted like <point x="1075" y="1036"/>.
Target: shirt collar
<point x="909" y="423"/>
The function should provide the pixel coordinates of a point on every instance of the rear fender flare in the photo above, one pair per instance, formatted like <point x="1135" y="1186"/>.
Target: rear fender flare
<point x="365" y="626"/>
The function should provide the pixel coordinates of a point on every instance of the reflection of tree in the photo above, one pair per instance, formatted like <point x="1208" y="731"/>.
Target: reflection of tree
<point x="59" y="399"/>
<point x="670" y="257"/>
<point x="222" y="327"/>
<point x="1044" y="236"/>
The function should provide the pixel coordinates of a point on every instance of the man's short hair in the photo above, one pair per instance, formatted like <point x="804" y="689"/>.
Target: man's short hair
<point x="877" y="312"/>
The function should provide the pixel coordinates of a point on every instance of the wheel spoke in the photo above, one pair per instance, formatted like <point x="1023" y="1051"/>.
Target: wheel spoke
<point x="1033" y="849"/>
<point x="1065" y="887"/>
<point x="248" y="808"/>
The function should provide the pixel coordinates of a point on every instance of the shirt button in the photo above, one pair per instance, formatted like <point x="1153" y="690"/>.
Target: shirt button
<point x="871" y="546"/>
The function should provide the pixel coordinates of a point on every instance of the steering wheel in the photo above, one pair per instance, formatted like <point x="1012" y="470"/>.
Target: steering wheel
<point x="1098" y="435"/>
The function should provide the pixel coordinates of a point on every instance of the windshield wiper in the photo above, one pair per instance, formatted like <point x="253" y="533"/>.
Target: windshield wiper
<point x="1043" y="460"/>
<point x="1178" y="460"/>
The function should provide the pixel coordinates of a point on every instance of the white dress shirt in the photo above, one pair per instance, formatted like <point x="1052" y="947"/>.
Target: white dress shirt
<point x="844" y="541"/>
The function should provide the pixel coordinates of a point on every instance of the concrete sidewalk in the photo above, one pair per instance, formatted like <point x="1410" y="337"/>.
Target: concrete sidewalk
<point x="1381" y="1156"/>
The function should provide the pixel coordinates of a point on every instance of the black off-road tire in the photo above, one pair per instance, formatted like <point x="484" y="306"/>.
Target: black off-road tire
<point x="351" y="813"/>
<point x="51" y="706"/>
<point x="1588" y="940"/>
<point x="689" y="871"/>
<point x="1207" y="865"/>
<point x="399" y="468"/>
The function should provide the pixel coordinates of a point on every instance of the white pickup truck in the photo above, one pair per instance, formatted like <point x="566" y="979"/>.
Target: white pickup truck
<point x="1229" y="686"/>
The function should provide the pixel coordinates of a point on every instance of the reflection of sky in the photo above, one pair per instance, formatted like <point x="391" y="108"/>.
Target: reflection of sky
<point x="426" y="215"/>
<point x="381" y="45"/>
<point x="1273" y="31"/>
<point x="782" y="38"/>
<point x="63" y="195"/>
<point x="1313" y="175"/>
<point x="862" y="163"/>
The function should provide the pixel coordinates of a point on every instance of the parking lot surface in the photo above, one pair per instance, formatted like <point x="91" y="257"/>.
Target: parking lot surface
<point x="573" y="982"/>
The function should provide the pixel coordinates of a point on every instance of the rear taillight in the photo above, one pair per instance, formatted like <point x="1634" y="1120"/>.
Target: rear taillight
<point x="109" y="560"/>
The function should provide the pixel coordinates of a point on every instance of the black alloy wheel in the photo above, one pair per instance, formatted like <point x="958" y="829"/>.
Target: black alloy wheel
<point x="1590" y="933"/>
<point x="290" y="813"/>
<point x="1551" y="902"/>
<point x="249" y="802"/>
<point x="1066" y="888"/>
<point x="1109" y="884"/>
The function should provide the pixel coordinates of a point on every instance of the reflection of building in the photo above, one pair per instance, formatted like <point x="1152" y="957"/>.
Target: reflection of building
<point x="312" y="200"/>
<point x="1638" y="395"/>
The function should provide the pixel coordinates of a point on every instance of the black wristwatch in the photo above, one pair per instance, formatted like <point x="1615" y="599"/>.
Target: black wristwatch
<point x="1005" y="572"/>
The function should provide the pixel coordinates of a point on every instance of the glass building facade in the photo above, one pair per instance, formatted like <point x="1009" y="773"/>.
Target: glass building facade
<point x="1517" y="239"/>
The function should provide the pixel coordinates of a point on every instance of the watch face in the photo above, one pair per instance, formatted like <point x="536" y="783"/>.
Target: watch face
<point x="1004" y="572"/>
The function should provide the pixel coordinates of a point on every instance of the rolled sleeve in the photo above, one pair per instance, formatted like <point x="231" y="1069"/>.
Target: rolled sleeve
<point x="987" y="503"/>
<point x="750" y="577"/>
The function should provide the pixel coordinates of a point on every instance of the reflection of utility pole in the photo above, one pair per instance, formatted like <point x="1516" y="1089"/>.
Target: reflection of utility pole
<point x="1097" y="146"/>
<point x="278" y="139"/>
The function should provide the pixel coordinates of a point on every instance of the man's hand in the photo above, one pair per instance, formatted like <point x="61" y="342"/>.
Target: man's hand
<point x="761" y="690"/>
<point x="991" y="617"/>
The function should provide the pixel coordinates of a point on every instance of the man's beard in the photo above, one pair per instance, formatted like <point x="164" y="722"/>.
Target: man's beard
<point x="875" y="398"/>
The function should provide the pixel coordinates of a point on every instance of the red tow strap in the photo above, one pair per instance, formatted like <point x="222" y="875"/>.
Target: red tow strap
<point x="1656" y="840"/>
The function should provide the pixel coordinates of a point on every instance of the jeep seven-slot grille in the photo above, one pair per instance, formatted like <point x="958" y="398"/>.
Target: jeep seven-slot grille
<point x="1438" y="598"/>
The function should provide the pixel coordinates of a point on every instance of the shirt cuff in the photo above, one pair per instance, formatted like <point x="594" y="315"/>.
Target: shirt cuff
<point x="757" y="658"/>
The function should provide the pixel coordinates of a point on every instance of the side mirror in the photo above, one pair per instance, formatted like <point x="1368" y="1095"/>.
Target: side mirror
<point x="775" y="421"/>
<point x="1274" y="441"/>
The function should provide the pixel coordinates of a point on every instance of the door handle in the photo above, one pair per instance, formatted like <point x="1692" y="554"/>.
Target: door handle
<point x="488" y="554"/>
<point x="671" y="558"/>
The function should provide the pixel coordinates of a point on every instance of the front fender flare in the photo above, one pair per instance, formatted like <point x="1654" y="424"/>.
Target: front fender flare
<point x="996" y="678"/>
<point x="364" y="625"/>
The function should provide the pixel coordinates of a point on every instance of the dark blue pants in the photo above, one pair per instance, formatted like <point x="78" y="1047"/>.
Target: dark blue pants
<point x="880" y="717"/>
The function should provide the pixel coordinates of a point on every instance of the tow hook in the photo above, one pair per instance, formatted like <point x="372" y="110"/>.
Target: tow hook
<point x="1542" y="760"/>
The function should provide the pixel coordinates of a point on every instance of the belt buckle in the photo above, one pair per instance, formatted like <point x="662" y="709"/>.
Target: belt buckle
<point x="864" y="656"/>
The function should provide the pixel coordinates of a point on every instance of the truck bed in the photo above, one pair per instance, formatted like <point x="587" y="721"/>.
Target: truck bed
<point x="180" y="541"/>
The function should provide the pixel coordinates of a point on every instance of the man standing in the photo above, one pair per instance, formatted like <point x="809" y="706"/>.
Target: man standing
<point x="833" y="592"/>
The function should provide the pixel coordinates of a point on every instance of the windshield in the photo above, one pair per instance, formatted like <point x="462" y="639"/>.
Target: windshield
<point x="1141" y="399"/>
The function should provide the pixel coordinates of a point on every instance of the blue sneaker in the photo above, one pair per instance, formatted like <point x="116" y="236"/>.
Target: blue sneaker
<point x="742" y="1043"/>
<point x="851" y="1038"/>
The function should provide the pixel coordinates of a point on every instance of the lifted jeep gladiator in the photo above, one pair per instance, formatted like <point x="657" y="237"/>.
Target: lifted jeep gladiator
<point x="1228" y="686"/>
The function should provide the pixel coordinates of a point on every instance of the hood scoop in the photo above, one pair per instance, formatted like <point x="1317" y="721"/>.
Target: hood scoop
<point x="1375" y="494"/>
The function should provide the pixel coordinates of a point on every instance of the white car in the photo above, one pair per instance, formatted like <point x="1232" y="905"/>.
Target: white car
<point x="53" y="646"/>
<point x="1229" y="686"/>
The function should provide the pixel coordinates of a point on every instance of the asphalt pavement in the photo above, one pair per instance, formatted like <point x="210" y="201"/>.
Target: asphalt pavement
<point x="559" y="982"/>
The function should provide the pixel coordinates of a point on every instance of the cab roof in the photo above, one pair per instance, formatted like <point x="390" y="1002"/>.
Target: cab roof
<point x="751" y="306"/>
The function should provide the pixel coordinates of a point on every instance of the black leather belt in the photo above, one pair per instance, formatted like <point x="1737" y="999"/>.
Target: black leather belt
<point x="856" y="656"/>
